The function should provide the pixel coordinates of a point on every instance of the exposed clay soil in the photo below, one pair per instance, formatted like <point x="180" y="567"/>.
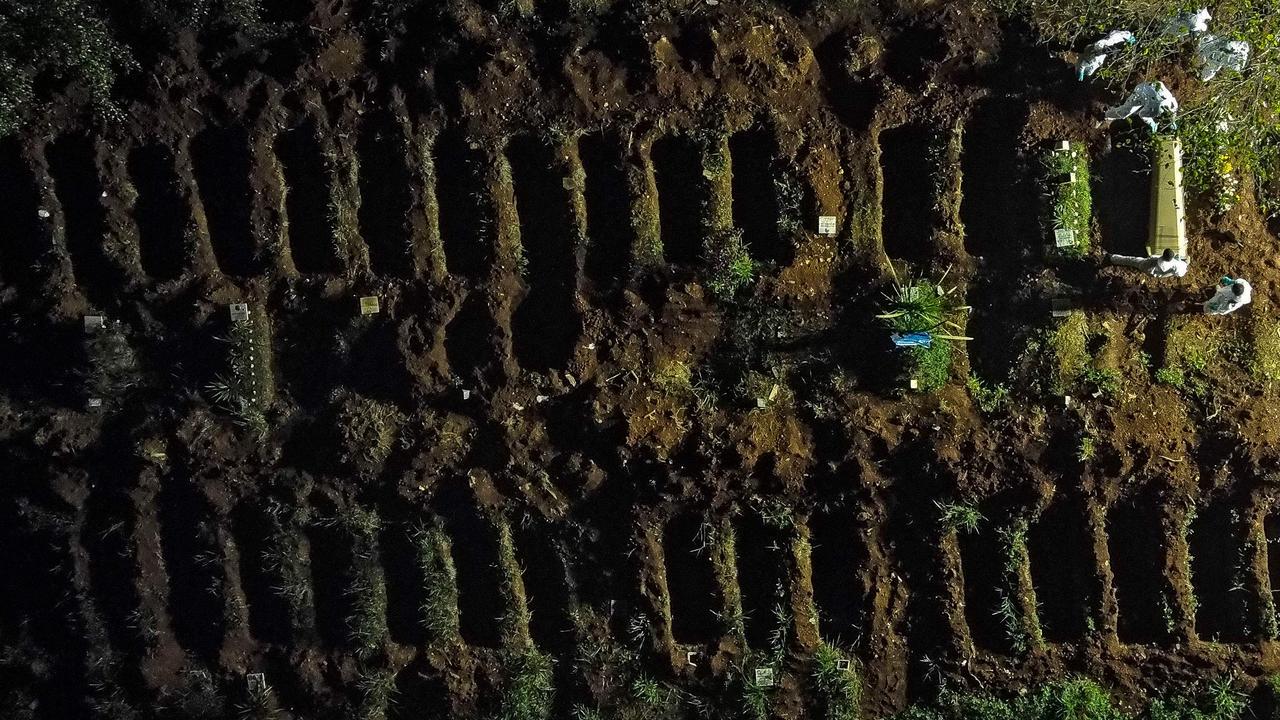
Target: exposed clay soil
<point x="528" y="196"/>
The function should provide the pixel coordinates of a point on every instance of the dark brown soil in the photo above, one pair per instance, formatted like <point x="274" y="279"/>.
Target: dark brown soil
<point x="622" y="471"/>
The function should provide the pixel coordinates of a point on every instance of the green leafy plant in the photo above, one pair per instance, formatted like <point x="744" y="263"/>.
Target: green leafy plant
<point x="1070" y="200"/>
<point x="1086" y="449"/>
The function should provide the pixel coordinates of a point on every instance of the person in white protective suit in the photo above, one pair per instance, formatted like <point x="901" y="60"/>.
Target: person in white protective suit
<point x="1093" y="56"/>
<point x="1188" y="23"/>
<point x="1219" y="53"/>
<point x="1164" y="265"/>
<point x="1148" y="101"/>
<point x="1232" y="294"/>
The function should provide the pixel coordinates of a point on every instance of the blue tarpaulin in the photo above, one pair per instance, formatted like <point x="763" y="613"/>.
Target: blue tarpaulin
<point x="917" y="339"/>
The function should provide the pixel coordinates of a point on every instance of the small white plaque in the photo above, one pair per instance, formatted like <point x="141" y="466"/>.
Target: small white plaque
<point x="765" y="677"/>
<point x="94" y="322"/>
<point x="1064" y="237"/>
<point x="239" y="312"/>
<point x="370" y="305"/>
<point x="257" y="682"/>
<point x="95" y="402"/>
<point x="915" y="384"/>
<point x="842" y="664"/>
<point x="827" y="225"/>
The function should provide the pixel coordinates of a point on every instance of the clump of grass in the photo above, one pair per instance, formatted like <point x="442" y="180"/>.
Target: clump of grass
<point x="377" y="688"/>
<point x="839" y="689"/>
<point x="248" y="387"/>
<point x="729" y="266"/>
<point x="112" y="365"/>
<point x="1070" y="203"/>
<point x="1219" y="701"/>
<point x="528" y="691"/>
<point x="439" y="583"/>
<point x="959" y="516"/>
<point x="1022" y="629"/>
<point x="1190" y="347"/>
<point x="289" y="567"/>
<point x="367" y="431"/>
<point x="925" y="307"/>
<point x="1069" y="344"/>
<point x="367" y="625"/>
<point x="1264" y="358"/>
<point x="260" y="703"/>
<point x="989" y="398"/>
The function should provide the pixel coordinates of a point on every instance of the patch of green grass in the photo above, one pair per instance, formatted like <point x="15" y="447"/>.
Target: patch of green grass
<point x="1068" y="345"/>
<point x="248" y="387"/>
<point x="1070" y="203"/>
<point x="1022" y="629"/>
<point x="1103" y="381"/>
<point x="989" y="398"/>
<point x="1264" y="355"/>
<point x="962" y="517"/>
<point x="377" y="689"/>
<point x="930" y="366"/>
<point x="439" y="585"/>
<point x="528" y="691"/>
<point x="839" y="690"/>
<point x="729" y="268"/>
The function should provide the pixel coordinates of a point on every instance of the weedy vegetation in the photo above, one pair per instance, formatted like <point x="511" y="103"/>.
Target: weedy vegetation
<point x="925" y="307"/>
<point x="1069" y="201"/>
<point x="528" y="691"/>
<point x="112" y="367"/>
<point x="439" y="609"/>
<point x="367" y="431"/>
<point x="837" y="684"/>
<point x="729" y="269"/>
<point x="962" y="517"/>
<point x="248" y="387"/>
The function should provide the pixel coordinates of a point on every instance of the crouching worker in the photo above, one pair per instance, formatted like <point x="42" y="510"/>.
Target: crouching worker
<point x="1232" y="294"/>
<point x="1161" y="266"/>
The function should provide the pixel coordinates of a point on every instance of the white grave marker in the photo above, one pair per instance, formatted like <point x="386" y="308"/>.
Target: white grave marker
<point x="94" y="322"/>
<point x="95" y="402"/>
<point x="257" y="682"/>
<point x="239" y="312"/>
<point x="842" y="664"/>
<point x="827" y="225"/>
<point x="370" y="305"/>
<point x="1064" y="237"/>
<point x="765" y="677"/>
